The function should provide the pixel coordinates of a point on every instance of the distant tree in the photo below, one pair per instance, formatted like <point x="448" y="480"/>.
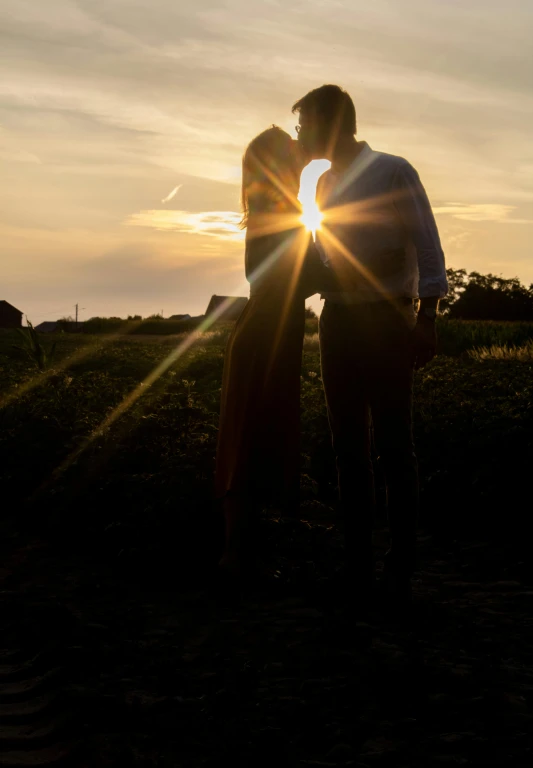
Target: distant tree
<point x="310" y="314"/>
<point x="489" y="297"/>
<point x="155" y="317"/>
<point x="457" y="280"/>
<point x="134" y="317"/>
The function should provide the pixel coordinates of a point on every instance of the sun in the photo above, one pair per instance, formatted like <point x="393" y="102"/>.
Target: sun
<point x="312" y="216"/>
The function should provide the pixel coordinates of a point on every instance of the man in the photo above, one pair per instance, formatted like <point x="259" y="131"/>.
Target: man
<point x="378" y="227"/>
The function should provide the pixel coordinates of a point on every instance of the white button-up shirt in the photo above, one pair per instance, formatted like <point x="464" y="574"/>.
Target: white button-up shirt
<point x="377" y="217"/>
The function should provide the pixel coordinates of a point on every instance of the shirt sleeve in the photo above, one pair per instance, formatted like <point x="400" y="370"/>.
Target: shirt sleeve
<point x="414" y="209"/>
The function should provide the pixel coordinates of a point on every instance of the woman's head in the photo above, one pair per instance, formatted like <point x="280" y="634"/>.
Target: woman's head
<point x="271" y="169"/>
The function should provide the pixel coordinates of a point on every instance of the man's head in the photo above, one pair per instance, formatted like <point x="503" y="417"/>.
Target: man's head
<point x="327" y="118"/>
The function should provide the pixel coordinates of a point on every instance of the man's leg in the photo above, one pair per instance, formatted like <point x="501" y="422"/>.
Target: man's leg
<point x="349" y="421"/>
<point x="392" y="400"/>
<point x="397" y="456"/>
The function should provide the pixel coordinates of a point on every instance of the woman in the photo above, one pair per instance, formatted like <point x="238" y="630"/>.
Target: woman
<point x="258" y="445"/>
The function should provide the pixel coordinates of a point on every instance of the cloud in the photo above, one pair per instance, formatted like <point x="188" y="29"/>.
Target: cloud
<point x="18" y="156"/>
<point x="480" y="212"/>
<point x="221" y="224"/>
<point x="104" y="104"/>
<point x="171" y="194"/>
<point x="12" y="152"/>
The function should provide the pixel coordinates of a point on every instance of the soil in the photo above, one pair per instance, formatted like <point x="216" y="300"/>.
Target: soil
<point x="131" y="659"/>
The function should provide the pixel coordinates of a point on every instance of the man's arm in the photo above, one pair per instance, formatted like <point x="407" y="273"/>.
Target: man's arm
<point x="414" y="209"/>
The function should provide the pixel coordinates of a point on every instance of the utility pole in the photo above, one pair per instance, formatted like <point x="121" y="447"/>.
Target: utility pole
<point x="77" y="305"/>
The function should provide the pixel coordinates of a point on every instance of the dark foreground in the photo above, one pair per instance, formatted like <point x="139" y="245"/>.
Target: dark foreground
<point x="131" y="661"/>
<point x="115" y="653"/>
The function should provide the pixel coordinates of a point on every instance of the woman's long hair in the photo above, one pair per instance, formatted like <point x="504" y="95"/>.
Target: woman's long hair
<point x="270" y="176"/>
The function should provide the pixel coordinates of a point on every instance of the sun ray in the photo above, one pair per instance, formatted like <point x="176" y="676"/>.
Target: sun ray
<point x="76" y="357"/>
<point x="364" y="271"/>
<point x="369" y="211"/>
<point x="262" y="225"/>
<point x="267" y="224"/>
<point x="348" y="255"/>
<point x="272" y="223"/>
<point x="142" y="387"/>
<point x="312" y="218"/>
<point x="279" y="184"/>
<point x="300" y="250"/>
<point x="160" y="369"/>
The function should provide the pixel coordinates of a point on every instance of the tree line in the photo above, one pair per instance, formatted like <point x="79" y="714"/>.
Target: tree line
<point x="473" y="296"/>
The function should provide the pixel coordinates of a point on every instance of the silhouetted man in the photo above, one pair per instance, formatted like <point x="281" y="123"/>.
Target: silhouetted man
<point x="377" y="222"/>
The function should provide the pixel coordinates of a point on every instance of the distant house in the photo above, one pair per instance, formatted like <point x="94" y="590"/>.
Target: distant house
<point x="229" y="307"/>
<point x="179" y="317"/>
<point x="48" y="326"/>
<point x="10" y="316"/>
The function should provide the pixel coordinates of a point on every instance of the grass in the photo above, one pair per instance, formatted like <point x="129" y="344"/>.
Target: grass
<point x="113" y="588"/>
<point x="503" y="352"/>
<point x="459" y="336"/>
<point x="456" y="336"/>
<point x="150" y="472"/>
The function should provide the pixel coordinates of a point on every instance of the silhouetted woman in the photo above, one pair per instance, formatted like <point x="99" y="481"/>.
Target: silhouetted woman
<point x="258" y="453"/>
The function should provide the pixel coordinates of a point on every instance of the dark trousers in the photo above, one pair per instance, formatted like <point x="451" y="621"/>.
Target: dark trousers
<point x="367" y="372"/>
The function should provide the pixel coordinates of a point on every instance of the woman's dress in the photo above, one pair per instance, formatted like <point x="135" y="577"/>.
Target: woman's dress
<point x="258" y="452"/>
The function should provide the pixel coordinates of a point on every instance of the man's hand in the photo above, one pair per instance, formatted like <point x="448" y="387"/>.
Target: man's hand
<point x="424" y="342"/>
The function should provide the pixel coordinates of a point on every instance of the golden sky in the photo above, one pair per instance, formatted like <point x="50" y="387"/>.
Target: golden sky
<point x="123" y="123"/>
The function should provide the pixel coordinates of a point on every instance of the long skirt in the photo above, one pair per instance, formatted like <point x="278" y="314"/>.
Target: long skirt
<point x="258" y="452"/>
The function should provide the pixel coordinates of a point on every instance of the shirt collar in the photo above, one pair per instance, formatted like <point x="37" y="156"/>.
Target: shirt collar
<point x="363" y="152"/>
<point x="358" y="165"/>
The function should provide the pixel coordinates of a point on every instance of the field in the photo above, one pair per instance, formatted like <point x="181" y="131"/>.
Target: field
<point x="106" y="478"/>
<point x="154" y="461"/>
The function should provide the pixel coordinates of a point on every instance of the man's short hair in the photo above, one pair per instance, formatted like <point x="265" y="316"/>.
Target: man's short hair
<point x="331" y="104"/>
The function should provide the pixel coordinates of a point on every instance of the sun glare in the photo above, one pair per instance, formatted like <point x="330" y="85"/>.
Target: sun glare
<point x="312" y="216"/>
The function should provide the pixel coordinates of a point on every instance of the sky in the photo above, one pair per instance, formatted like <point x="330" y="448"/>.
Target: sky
<point x="123" y="124"/>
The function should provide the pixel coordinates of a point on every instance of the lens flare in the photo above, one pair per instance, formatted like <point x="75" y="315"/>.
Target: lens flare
<point x="312" y="217"/>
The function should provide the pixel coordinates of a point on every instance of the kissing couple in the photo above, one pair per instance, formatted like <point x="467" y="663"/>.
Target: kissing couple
<point x="378" y="263"/>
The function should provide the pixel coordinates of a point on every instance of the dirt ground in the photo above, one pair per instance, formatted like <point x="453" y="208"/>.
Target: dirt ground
<point x="117" y="663"/>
